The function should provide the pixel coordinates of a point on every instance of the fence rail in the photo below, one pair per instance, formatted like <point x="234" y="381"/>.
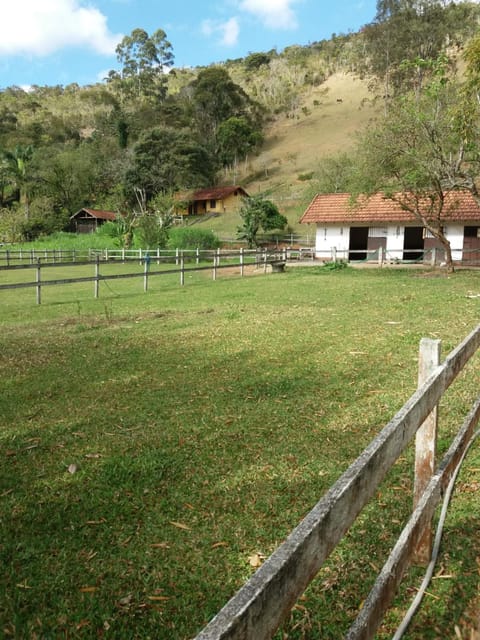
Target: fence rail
<point x="175" y="262"/>
<point x="259" y="607"/>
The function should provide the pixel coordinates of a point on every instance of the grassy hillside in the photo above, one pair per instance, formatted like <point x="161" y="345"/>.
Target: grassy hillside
<point x="324" y="123"/>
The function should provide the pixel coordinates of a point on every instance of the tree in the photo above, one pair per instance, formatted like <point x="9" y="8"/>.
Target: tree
<point x="236" y="138"/>
<point x="165" y="160"/>
<point x="337" y="174"/>
<point x="155" y="220"/>
<point x="258" y="213"/>
<point x="426" y="147"/>
<point x="214" y="99"/>
<point x="17" y="163"/>
<point x="411" y="30"/>
<point x="144" y="59"/>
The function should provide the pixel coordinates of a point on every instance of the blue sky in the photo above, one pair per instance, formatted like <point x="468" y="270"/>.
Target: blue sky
<point x="49" y="42"/>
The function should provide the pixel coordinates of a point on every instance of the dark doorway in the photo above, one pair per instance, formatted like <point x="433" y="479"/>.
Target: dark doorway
<point x="357" y="249"/>
<point x="413" y="243"/>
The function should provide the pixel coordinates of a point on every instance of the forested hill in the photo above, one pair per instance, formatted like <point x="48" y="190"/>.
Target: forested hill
<point x="265" y="121"/>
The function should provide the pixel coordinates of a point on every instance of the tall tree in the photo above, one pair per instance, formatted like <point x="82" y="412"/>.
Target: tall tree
<point x="410" y="30"/>
<point x="144" y="59"/>
<point x="165" y="160"/>
<point x="215" y="98"/>
<point x="426" y="147"/>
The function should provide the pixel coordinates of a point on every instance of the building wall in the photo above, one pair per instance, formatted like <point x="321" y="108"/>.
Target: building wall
<point x="455" y="234"/>
<point x="328" y="238"/>
<point x="335" y="236"/>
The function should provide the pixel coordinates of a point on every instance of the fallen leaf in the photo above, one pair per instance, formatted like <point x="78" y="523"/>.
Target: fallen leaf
<point x="219" y="544"/>
<point x="125" y="601"/>
<point x="158" y="598"/>
<point x="180" y="525"/>
<point x="72" y="468"/>
<point x="87" y="589"/>
<point x="93" y="455"/>
<point x="23" y="585"/>
<point x="81" y="624"/>
<point x="256" y="560"/>
<point x="10" y="452"/>
<point x="160" y="545"/>
<point x="101" y="521"/>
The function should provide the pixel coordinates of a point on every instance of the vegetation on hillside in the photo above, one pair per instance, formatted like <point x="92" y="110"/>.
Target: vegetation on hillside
<point x="161" y="129"/>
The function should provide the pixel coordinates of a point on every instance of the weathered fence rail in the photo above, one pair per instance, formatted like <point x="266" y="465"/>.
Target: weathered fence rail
<point x="259" y="607"/>
<point x="175" y="263"/>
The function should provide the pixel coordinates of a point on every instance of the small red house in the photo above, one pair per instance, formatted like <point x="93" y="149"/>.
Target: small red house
<point x="88" y="220"/>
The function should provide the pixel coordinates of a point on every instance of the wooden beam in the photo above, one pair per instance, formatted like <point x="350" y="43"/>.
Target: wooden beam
<point x="258" y="608"/>
<point x="425" y="447"/>
<point x="388" y="580"/>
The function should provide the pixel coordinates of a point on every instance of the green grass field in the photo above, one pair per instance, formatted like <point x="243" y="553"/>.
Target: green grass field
<point x="156" y="446"/>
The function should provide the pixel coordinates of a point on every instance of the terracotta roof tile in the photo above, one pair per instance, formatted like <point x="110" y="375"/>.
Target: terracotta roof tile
<point x="217" y="193"/>
<point x="337" y="208"/>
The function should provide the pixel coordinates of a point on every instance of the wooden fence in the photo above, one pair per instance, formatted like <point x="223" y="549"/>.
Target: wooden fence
<point x="260" y="606"/>
<point x="175" y="263"/>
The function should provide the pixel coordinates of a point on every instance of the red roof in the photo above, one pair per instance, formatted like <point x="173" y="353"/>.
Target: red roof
<point x="217" y="193"/>
<point x="337" y="208"/>
<point x="95" y="213"/>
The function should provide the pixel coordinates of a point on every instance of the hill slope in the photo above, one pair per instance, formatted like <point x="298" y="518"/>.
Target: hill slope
<point x="326" y="122"/>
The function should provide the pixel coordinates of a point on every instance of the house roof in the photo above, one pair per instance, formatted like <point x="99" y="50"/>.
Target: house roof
<point x="334" y="208"/>
<point x="95" y="213"/>
<point x="216" y="193"/>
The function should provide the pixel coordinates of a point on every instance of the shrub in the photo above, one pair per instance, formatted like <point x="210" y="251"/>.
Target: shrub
<point x="191" y="238"/>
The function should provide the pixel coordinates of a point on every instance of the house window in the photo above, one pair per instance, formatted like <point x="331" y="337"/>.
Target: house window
<point x="471" y="232"/>
<point x="213" y="204"/>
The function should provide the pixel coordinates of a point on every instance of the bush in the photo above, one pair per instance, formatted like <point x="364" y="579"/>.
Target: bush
<point x="191" y="238"/>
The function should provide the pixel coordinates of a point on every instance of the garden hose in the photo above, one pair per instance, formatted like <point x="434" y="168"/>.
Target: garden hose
<point x="436" y="546"/>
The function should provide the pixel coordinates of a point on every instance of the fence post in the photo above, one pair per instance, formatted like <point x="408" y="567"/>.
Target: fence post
<point x="434" y="257"/>
<point x="197" y="254"/>
<point x="146" y="264"/>
<point x="425" y="445"/>
<point x="182" y="268"/>
<point x="242" y="257"/>
<point x="7" y="255"/>
<point x="176" y="256"/>
<point x="264" y="261"/>
<point x="380" y="256"/>
<point x="97" y="276"/>
<point x="214" y="275"/>
<point x="39" y="278"/>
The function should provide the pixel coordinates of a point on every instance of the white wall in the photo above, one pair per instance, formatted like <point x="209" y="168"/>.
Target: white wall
<point x="328" y="238"/>
<point x="454" y="234"/>
<point x="395" y="239"/>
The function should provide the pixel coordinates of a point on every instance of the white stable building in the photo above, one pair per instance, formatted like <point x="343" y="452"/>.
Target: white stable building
<point x="378" y="227"/>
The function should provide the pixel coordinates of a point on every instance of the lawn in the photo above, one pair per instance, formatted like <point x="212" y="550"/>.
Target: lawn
<point x="156" y="446"/>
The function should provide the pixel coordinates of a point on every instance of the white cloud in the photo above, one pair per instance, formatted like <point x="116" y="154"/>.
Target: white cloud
<point x="41" y="27"/>
<point x="275" y="14"/>
<point x="228" y="31"/>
